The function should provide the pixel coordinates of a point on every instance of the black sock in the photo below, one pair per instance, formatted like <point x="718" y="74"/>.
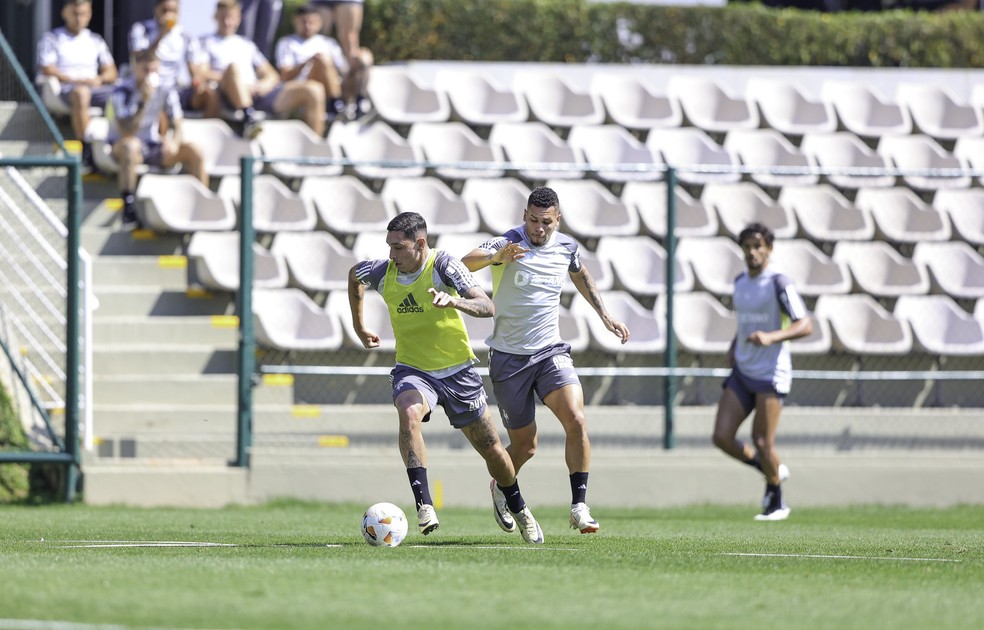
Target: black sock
<point x="249" y="114"/>
<point x="129" y="199"/>
<point x="579" y="487"/>
<point x="754" y="463"/>
<point x="514" y="498"/>
<point x="774" y="492"/>
<point x="419" y="486"/>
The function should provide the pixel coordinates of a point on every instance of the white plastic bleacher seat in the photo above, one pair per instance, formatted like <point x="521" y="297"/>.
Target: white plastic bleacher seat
<point x="902" y="217"/>
<point x="702" y="324"/>
<point x="532" y="145"/>
<point x="691" y="148"/>
<point x="600" y="269"/>
<point x="761" y="149"/>
<point x="785" y="108"/>
<point x="49" y="89"/>
<point x="221" y="147"/>
<point x="955" y="268"/>
<point x="214" y="256"/>
<point x="181" y="203"/>
<point x="979" y="310"/>
<point x="844" y="150"/>
<point x="555" y="101"/>
<point x="459" y="245"/>
<point x="276" y="208"/>
<point x="589" y="210"/>
<point x="716" y="261"/>
<point x="639" y="263"/>
<point x="970" y="151"/>
<point x="452" y="142"/>
<point x="709" y="106"/>
<point x="401" y="98"/>
<point x="574" y="330"/>
<point x="940" y="326"/>
<point x="612" y="145"/>
<point x="881" y="271"/>
<point x="345" y="205"/>
<point x="738" y="205"/>
<point x="375" y="142"/>
<point x="499" y="202"/>
<point x="317" y="261"/>
<point x="965" y="208"/>
<point x="826" y="215"/>
<point x="634" y="104"/>
<point x="294" y="139"/>
<point x="936" y="112"/>
<point x="371" y="246"/>
<point x="442" y="208"/>
<point x="864" y="111"/>
<point x="478" y="99"/>
<point x="812" y="271"/>
<point x="921" y="153"/>
<point x="375" y="316"/>
<point x="646" y="328"/>
<point x="649" y="200"/>
<point x="479" y="329"/>
<point x="862" y="326"/>
<point x="818" y="342"/>
<point x="287" y="319"/>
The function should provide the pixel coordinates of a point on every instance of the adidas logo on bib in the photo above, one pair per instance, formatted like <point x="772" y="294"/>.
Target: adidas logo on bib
<point x="409" y="305"/>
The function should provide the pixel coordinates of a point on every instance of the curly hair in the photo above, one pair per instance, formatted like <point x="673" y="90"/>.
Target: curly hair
<point x="543" y="197"/>
<point x="757" y="228"/>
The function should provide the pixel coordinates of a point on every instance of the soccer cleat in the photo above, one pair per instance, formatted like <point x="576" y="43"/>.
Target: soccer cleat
<point x="501" y="511"/>
<point x="774" y="513"/>
<point x="581" y="519"/>
<point x="129" y="220"/>
<point x="528" y="527"/>
<point x="427" y="519"/>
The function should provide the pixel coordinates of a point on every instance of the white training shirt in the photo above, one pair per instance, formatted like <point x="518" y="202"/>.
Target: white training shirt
<point x="78" y="56"/>
<point x="175" y="51"/>
<point x="222" y="52"/>
<point x="293" y="51"/>
<point x="526" y="292"/>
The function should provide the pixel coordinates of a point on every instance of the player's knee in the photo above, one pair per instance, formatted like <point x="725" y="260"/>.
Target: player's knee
<point x="762" y="443"/>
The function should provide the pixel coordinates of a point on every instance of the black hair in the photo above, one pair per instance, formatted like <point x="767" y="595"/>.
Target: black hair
<point x="543" y="197"/>
<point x="410" y="224"/>
<point x="306" y="9"/>
<point x="757" y="228"/>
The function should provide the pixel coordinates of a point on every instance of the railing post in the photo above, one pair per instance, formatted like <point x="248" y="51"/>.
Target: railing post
<point x="669" y="435"/>
<point x="72" y="364"/>
<point x="244" y="309"/>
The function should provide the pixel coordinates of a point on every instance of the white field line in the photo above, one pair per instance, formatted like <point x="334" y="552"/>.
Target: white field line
<point x="119" y="544"/>
<point x="826" y="557"/>
<point x="45" y="624"/>
<point x="522" y="548"/>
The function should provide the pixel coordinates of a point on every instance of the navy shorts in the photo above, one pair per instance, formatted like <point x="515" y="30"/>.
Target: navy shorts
<point x="153" y="154"/>
<point x="746" y="388"/>
<point x="462" y="394"/>
<point x="260" y="103"/>
<point x="516" y="377"/>
<point x="99" y="98"/>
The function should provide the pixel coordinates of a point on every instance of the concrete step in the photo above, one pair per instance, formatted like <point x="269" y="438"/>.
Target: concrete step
<point x="110" y="241"/>
<point x="131" y="360"/>
<point x="150" y="301"/>
<point x="197" y="389"/>
<point x="181" y="331"/>
<point x="165" y="272"/>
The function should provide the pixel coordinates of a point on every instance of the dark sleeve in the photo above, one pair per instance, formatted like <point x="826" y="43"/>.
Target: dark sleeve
<point x="453" y="273"/>
<point x="371" y="272"/>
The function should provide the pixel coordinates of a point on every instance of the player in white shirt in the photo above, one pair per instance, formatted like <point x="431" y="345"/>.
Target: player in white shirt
<point x="346" y="18"/>
<point x="527" y="355"/>
<point x="80" y="60"/>
<point x="307" y="54"/>
<point x="770" y="312"/>
<point x="248" y="82"/>
<point x="183" y="64"/>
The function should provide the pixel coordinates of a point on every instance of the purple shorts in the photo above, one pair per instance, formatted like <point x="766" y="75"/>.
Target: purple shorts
<point x="99" y="95"/>
<point x="515" y="378"/>
<point x="746" y="389"/>
<point x="462" y="394"/>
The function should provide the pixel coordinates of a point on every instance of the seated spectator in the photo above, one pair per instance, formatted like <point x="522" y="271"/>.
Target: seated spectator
<point x="260" y="21"/>
<point x="82" y="63"/>
<point x="138" y="105"/>
<point x="247" y="82"/>
<point x="346" y="18"/>
<point x="183" y="65"/>
<point x="307" y="54"/>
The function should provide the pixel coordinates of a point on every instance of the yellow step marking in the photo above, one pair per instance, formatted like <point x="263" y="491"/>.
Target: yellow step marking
<point x="438" y="494"/>
<point x="172" y="262"/>
<point x="278" y="380"/>
<point x="115" y="204"/>
<point x="305" y="411"/>
<point x="198" y="294"/>
<point x="73" y="146"/>
<point x="143" y="234"/>
<point x="333" y="441"/>
<point x="225" y="321"/>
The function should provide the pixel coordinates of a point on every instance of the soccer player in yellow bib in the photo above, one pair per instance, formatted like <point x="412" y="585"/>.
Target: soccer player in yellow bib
<point x="425" y="292"/>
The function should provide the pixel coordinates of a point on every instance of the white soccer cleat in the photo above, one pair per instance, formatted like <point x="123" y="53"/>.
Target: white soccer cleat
<point x="528" y="527"/>
<point x="780" y="513"/>
<point x="783" y="472"/>
<point x="581" y="519"/>
<point x="427" y="519"/>
<point x="501" y="510"/>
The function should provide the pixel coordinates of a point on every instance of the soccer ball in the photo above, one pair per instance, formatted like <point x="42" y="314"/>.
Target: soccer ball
<point x="384" y="525"/>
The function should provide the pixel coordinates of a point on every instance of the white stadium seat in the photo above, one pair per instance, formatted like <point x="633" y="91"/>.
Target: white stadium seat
<point x="612" y="145"/>
<point x="864" y="111"/>
<point x="940" y="326"/>
<point x="785" y="108"/>
<point x="861" y="326"/>
<point x="375" y="142"/>
<point x="533" y="145"/>
<point x="639" y="263"/>
<point x="702" y="324"/>
<point x="936" y="112"/>
<point x="181" y="203"/>
<point x="824" y="214"/>
<point x="370" y="246"/>
<point x="452" y="142"/>
<point x="647" y="335"/>
<point x="458" y="245"/>
<point x="375" y="316"/>
<point x="589" y="210"/>
<point x="499" y="202"/>
<point x="716" y="262"/>
<point x="442" y="209"/>
<point x="812" y="271"/>
<point x="555" y="101"/>
<point x="649" y="200"/>
<point x="965" y="208"/>
<point x="970" y="151"/>
<point x="295" y="140"/>
<point x="763" y="149"/>
<point x="634" y="104"/>
<point x="954" y="267"/>
<point x="881" y="271"/>
<point x="276" y="208"/>
<point x="317" y="260"/>
<point x="478" y="99"/>
<point x="287" y="319"/>
<point x="221" y="147"/>
<point x="401" y="98"/>
<point x="692" y="149"/>
<point x="214" y="257"/>
<point x="738" y="205"/>
<point x="346" y="205"/>
<point x="902" y="217"/>
<point x="921" y="153"/>
<point x="844" y="150"/>
<point x="707" y="105"/>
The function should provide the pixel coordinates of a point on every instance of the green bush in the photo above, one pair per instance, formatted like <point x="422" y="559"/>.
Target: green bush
<point x="738" y="34"/>
<point x="15" y="483"/>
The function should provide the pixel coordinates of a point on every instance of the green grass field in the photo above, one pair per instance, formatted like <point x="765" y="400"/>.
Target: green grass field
<point x="294" y="565"/>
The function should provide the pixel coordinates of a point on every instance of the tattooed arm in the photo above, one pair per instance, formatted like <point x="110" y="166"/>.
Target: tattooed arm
<point x="585" y="285"/>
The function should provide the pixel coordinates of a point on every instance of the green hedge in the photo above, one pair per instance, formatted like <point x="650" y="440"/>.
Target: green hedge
<point x="15" y="484"/>
<point x="739" y="34"/>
